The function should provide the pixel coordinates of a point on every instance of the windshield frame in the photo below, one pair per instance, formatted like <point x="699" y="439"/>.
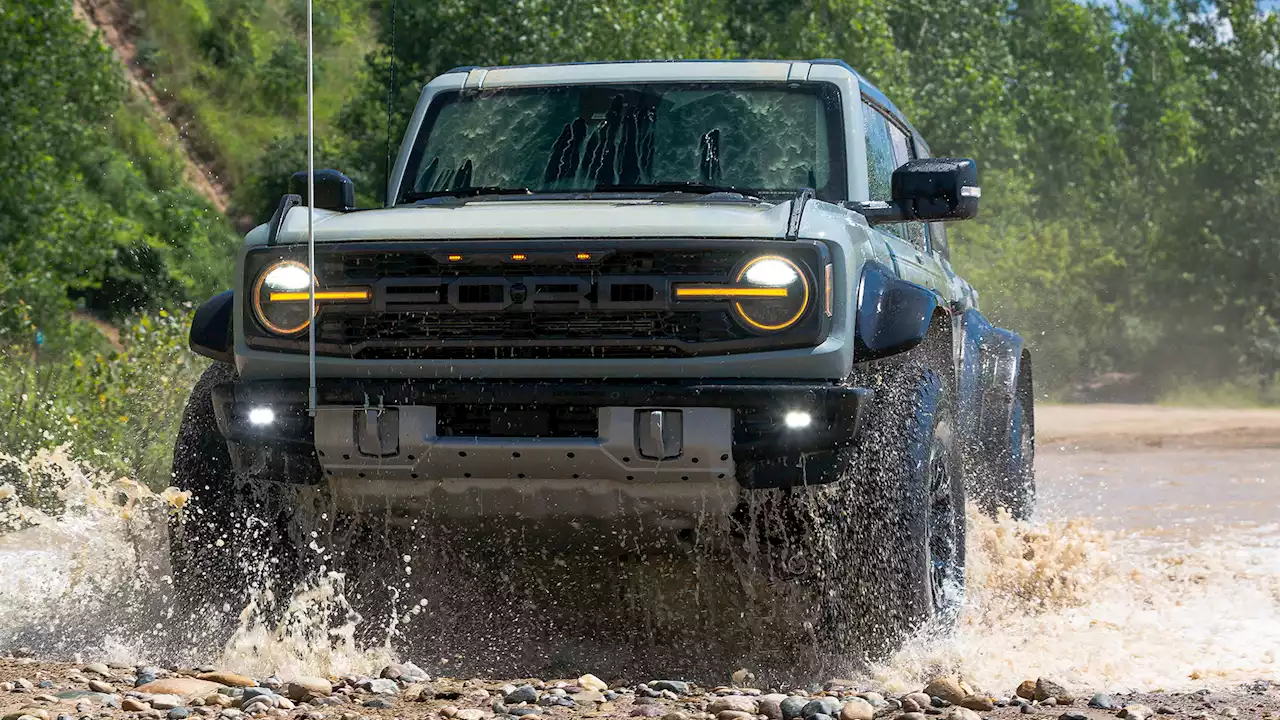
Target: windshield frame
<point x="836" y="189"/>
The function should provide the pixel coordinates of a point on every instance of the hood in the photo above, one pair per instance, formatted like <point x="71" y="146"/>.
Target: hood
<point x="534" y="219"/>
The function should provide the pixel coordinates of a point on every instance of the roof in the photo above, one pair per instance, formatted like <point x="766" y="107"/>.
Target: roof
<point x="870" y="91"/>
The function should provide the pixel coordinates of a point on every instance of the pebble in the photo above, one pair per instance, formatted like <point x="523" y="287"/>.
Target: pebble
<point x="591" y="682"/>
<point x="1046" y="688"/>
<point x="180" y="686"/>
<point x="223" y="677"/>
<point x="470" y="714"/>
<point x="522" y="694"/>
<point x="736" y="703"/>
<point x="1073" y="715"/>
<point x="770" y="706"/>
<point x="962" y="713"/>
<point x="911" y="716"/>
<point x="792" y="706"/>
<point x="23" y="684"/>
<point x="97" y="669"/>
<point x="820" y="706"/>
<point x="377" y="703"/>
<point x="1102" y="701"/>
<point x="1026" y="689"/>
<point x="1027" y="709"/>
<point x="133" y="705"/>
<point x="676" y="715"/>
<point x="303" y="686"/>
<point x="857" y="709"/>
<point x="178" y="713"/>
<point x="144" y="678"/>
<point x="821" y="716"/>
<point x="1165" y="710"/>
<point x="383" y="686"/>
<point x="220" y="700"/>
<point x="1049" y="701"/>
<point x="981" y="703"/>
<point x="947" y="688"/>
<point x="165" y="702"/>
<point x="647" y="711"/>
<point x="678" y="687"/>
<point x="1136" y="712"/>
<point x="876" y="699"/>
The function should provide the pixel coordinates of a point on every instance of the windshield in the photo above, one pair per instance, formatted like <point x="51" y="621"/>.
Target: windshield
<point x="759" y="138"/>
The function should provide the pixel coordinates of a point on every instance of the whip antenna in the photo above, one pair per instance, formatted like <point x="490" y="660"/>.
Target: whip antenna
<point x="311" y="221"/>
<point x="391" y="93"/>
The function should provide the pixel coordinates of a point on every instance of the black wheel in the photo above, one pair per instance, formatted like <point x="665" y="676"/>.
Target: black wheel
<point x="894" y="559"/>
<point x="234" y="535"/>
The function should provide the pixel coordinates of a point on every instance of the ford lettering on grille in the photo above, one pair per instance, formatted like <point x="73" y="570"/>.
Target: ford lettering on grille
<point x="523" y="294"/>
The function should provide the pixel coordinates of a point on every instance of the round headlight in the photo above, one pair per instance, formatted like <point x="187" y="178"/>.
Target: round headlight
<point x="281" y="297"/>
<point x="771" y="314"/>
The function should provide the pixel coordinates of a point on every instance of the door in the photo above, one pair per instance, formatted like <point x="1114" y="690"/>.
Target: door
<point x="889" y="146"/>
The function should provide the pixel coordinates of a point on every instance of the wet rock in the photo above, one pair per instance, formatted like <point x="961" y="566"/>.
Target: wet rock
<point x="947" y="688"/>
<point x="522" y="694"/>
<point x="180" y="686"/>
<point x="302" y="687"/>
<point x="383" y="686"/>
<point x="962" y="713"/>
<point x="737" y="703"/>
<point x="770" y="705"/>
<point x="981" y="703"/>
<point x="1046" y="688"/>
<point x="820" y="716"/>
<point x="133" y="705"/>
<point x="143" y="678"/>
<point x="678" y="687"/>
<point x="1136" y="712"/>
<point x="876" y="699"/>
<point x="920" y="699"/>
<point x="1026" y="689"/>
<point x="1102" y="701"/>
<point x="857" y="709"/>
<point x="223" y="677"/>
<point x="591" y="682"/>
<point x="792" y="706"/>
<point x="165" y="702"/>
<point x="820" y="706"/>
<point x="89" y="695"/>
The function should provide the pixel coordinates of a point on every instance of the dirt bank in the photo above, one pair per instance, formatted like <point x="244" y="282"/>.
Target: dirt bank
<point x="1123" y="428"/>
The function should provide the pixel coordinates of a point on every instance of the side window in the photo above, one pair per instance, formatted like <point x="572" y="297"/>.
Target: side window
<point x="938" y="240"/>
<point x="880" y="156"/>
<point x="902" y="152"/>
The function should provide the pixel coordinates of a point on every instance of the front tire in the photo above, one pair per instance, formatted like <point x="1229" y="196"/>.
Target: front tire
<point x="904" y="527"/>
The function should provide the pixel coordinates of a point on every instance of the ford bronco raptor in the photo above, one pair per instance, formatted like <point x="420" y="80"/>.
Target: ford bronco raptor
<point x="651" y="296"/>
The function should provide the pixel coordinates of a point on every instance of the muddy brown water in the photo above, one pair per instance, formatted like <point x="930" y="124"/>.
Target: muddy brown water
<point x="1153" y="563"/>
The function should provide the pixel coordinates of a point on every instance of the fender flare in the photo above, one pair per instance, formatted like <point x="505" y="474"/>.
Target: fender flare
<point x="211" y="333"/>
<point x="892" y="315"/>
<point x="991" y="366"/>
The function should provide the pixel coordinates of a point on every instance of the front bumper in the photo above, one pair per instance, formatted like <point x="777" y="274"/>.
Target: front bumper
<point x="584" y="449"/>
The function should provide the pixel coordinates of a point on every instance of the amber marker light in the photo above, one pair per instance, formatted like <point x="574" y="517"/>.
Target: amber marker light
<point x="584" y="256"/>
<point x="519" y="257"/>
<point x="455" y="258"/>
<point x="717" y="291"/>
<point x="321" y="295"/>
<point x="827" y="289"/>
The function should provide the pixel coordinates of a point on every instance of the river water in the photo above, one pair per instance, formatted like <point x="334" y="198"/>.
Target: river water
<point x="1146" y="568"/>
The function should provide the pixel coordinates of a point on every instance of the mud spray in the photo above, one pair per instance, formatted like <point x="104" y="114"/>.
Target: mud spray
<point x="83" y="575"/>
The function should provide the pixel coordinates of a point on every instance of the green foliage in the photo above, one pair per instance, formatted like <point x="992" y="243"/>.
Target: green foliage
<point x="117" y="407"/>
<point x="94" y="211"/>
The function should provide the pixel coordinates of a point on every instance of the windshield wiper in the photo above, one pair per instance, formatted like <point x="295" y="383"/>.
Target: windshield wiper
<point x="467" y="192"/>
<point x="688" y="187"/>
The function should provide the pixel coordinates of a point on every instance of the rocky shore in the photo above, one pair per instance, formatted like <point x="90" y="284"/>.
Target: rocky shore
<point x="34" y="690"/>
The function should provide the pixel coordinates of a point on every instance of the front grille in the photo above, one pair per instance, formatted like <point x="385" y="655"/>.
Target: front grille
<point x="356" y="267"/>
<point x="472" y="420"/>
<point x="545" y="327"/>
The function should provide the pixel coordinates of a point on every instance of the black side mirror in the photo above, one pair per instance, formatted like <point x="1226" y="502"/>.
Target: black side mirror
<point x="334" y="191"/>
<point x="928" y="190"/>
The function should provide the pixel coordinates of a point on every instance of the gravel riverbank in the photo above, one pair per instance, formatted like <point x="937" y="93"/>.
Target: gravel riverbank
<point x="35" y="690"/>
